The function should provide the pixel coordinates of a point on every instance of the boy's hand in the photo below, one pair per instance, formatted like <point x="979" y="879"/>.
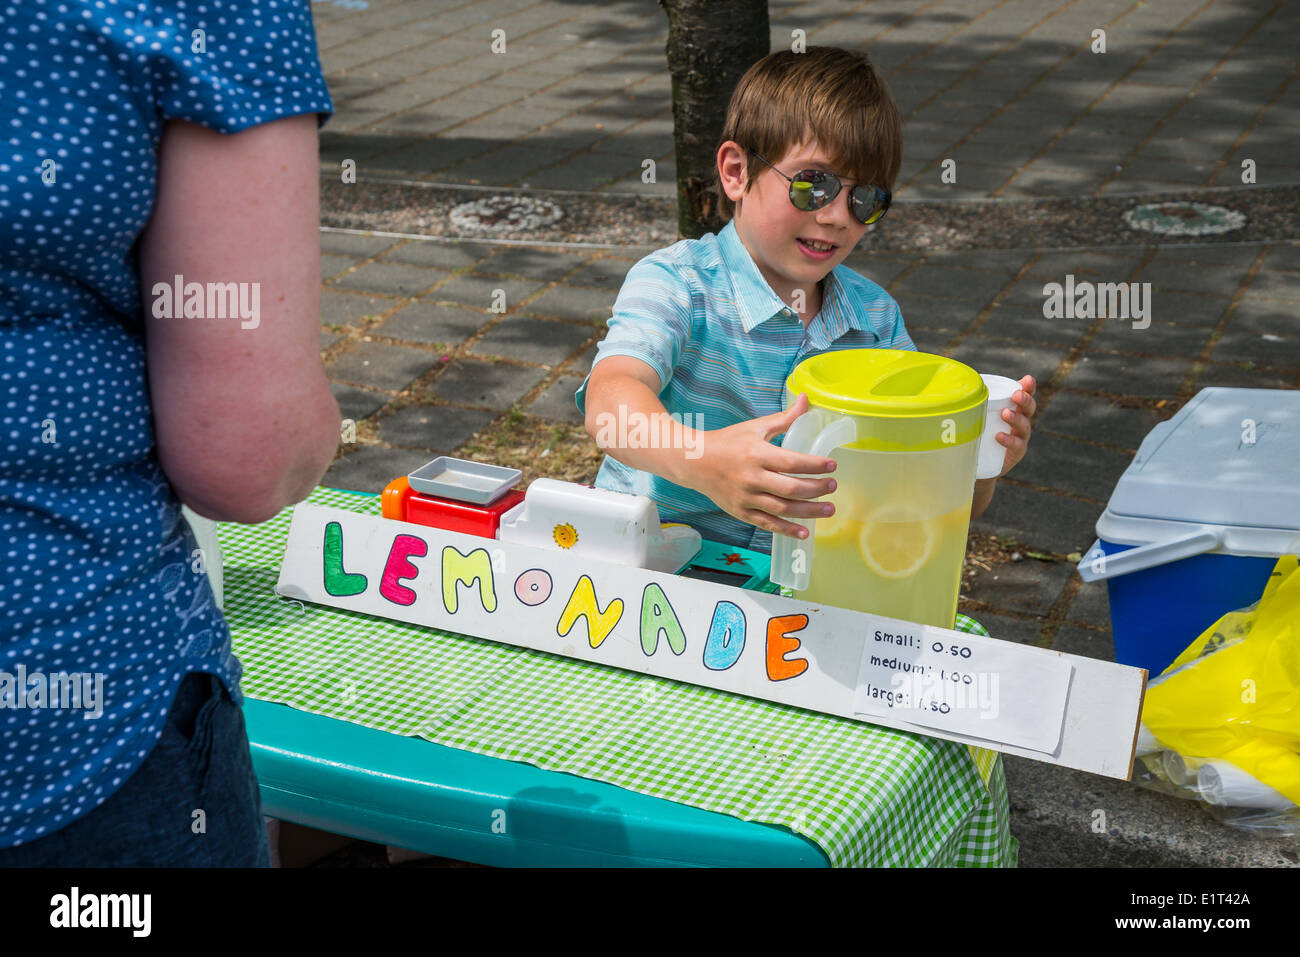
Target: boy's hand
<point x="1017" y="440"/>
<point x="742" y="472"/>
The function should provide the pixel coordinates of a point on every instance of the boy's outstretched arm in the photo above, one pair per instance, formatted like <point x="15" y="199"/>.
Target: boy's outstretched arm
<point x="736" y="467"/>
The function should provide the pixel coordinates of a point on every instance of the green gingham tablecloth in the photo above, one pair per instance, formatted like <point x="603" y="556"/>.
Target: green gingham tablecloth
<point x="867" y="795"/>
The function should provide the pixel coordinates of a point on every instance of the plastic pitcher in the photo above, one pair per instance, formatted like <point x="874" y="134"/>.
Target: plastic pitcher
<point x="904" y="430"/>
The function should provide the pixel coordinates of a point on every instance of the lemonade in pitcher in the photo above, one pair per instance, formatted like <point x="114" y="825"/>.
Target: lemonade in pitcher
<point x="897" y="522"/>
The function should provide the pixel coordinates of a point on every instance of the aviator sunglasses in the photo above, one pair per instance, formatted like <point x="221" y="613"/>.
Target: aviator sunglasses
<point x="813" y="188"/>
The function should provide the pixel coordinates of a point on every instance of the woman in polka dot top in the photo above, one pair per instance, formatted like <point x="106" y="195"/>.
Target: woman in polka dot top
<point x="145" y="142"/>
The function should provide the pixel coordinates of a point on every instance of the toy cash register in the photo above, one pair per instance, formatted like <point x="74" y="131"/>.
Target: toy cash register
<point x="598" y="524"/>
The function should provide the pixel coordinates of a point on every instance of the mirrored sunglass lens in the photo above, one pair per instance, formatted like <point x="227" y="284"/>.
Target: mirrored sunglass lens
<point x="868" y="204"/>
<point x="813" y="189"/>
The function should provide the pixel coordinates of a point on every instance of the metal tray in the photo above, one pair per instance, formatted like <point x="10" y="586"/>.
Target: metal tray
<point x="463" y="480"/>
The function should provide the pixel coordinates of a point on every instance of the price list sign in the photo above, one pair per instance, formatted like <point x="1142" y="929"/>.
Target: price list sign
<point x="964" y="684"/>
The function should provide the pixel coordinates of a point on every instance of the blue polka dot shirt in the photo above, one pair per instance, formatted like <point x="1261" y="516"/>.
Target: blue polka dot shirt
<point x="100" y="583"/>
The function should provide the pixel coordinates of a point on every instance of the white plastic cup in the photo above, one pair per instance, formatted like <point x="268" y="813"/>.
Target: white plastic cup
<point x="1226" y="785"/>
<point x="1181" y="771"/>
<point x="992" y="453"/>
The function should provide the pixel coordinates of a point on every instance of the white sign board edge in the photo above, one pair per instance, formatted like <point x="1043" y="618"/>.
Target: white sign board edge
<point x="1098" y="733"/>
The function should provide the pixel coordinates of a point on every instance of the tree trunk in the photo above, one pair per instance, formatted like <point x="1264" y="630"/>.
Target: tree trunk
<point x="711" y="43"/>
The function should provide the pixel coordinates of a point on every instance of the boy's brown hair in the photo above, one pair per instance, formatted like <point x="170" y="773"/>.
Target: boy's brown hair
<point x="833" y="95"/>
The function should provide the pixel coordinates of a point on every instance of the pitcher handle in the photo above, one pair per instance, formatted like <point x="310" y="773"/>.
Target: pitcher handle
<point x="792" y="557"/>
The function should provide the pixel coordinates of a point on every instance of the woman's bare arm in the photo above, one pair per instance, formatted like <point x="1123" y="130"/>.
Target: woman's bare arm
<point x="243" y="415"/>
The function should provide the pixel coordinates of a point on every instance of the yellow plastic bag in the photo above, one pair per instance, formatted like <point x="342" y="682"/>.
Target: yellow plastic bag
<point x="1221" y="724"/>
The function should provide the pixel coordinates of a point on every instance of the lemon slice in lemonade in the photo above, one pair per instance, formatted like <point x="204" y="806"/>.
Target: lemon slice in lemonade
<point x="842" y="527"/>
<point x="896" y="541"/>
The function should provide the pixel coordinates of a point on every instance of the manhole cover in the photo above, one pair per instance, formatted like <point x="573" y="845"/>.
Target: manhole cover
<point x="505" y="214"/>
<point x="1184" y="219"/>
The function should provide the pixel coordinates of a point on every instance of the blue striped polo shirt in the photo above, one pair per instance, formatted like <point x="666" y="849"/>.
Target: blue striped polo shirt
<point x="722" y="342"/>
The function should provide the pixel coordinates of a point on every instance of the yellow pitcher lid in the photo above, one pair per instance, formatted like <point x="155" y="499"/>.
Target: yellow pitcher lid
<point x="887" y="382"/>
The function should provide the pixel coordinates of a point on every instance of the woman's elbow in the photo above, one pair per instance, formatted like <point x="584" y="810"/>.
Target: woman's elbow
<point x="263" y="471"/>
<point x="319" y="445"/>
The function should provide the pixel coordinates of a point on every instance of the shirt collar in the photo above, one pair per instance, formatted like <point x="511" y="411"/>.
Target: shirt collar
<point x="838" y="314"/>
<point x="755" y="300"/>
<point x="757" y="303"/>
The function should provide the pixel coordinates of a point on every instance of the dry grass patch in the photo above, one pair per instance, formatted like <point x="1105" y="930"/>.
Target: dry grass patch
<point x="537" y="447"/>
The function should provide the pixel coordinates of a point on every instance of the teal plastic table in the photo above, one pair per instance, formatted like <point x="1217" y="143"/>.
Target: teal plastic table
<point x="412" y="793"/>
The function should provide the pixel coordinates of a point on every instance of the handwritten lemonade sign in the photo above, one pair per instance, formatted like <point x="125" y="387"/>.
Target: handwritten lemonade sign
<point x="935" y="681"/>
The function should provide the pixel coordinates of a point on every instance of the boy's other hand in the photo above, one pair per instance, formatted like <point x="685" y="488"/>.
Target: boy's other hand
<point x="1017" y="440"/>
<point x="745" y="475"/>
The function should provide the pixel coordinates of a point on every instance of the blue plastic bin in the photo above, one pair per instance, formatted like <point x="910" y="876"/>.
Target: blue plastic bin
<point x="1198" y="520"/>
<point x="1158" y="612"/>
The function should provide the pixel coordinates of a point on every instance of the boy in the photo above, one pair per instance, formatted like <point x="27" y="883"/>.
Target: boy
<point x="708" y="330"/>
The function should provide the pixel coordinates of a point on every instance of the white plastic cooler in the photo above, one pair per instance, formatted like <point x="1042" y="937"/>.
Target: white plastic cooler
<point x="1197" y="521"/>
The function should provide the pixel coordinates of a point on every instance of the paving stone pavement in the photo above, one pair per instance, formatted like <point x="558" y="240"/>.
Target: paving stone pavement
<point x="430" y="341"/>
<point x="1022" y="95"/>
